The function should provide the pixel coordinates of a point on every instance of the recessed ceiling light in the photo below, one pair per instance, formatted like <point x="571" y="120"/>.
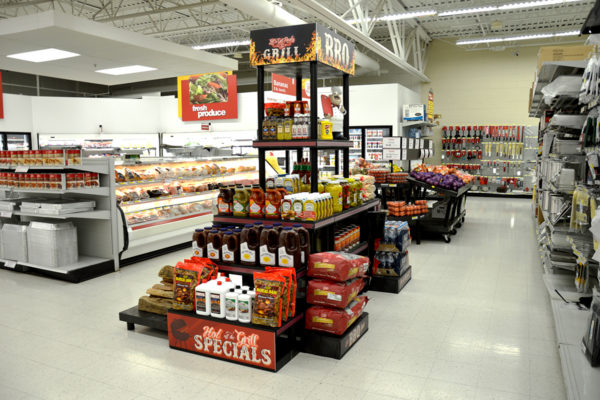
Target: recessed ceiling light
<point x="129" y="69"/>
<point x="43" y="55"/>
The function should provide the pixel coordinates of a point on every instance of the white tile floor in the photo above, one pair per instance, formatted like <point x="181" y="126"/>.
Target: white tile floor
<point x="474" y="323"/>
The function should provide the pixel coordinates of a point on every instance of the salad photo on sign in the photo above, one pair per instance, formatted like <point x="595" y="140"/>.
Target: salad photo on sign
<point x="208" y="88"/>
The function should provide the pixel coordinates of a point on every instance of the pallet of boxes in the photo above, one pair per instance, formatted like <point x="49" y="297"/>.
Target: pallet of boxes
<point x="335" y="318"/>
<point x="160" y="295"/>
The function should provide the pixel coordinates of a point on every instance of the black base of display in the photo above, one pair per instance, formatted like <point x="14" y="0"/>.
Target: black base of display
<point x="390" y="284"/>
<point x="75" y="276"/>
<point x="133" y="316"/>
<point x="333" y="346"/>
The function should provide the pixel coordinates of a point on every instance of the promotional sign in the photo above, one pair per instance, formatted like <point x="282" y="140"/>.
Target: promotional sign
<point x="227" y="341"/>
<point x="299" y="43"/>
<point x="283" y="84"/>
<point x="430" y="106"/>
<point x="1" y="101"/>
<point x="207" y="96"/>
<point x="306" y="88"/>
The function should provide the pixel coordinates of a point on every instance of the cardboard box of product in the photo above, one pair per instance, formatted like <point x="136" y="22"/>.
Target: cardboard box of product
<point x="564" y="53"/>
<point x="413" y="112"/>
<point x="392" y="142"/>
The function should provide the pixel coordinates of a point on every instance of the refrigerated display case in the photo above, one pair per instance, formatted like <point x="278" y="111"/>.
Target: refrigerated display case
<point x="15" y="141"/>
<point x="163" y="199"/>
<point x="371" y="139"/>
<point x="104" y="144"/>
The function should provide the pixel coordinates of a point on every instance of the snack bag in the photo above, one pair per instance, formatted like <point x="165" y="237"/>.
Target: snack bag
<point x="267" y="307"/>
<point x="337" y="266"/>
<point x="334" y="320"/>
<point x="186" y="278"/>
<point x="290" y="276"/>
<point x="333" y="294"/>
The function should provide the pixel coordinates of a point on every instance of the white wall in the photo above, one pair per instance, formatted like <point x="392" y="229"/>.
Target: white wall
<point x="17" y="114"/>
<point x="369" y="105"/>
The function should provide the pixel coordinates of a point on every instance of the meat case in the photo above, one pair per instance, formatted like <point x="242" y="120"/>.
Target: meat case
<point x="163" y="199"/>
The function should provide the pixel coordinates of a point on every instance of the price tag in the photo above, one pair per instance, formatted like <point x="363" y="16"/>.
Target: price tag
<point x="493" y="170"/>
<point x="392" y="185"/>
<point x="10" y="264"/>
<point x="518" y="173"/>
<point x="22" y="168"/>
<point x="415" y="217"/>
<point x="6" y="214"/>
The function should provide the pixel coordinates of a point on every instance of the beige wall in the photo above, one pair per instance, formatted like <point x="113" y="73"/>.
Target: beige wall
<point x="479" y="87"/>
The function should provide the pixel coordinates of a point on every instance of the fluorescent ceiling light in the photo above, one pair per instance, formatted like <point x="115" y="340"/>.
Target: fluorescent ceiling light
<point x="468" y="11"/>
<point x="221" y="44"/>
<point x="44" y="55"/>
<point x="396" y="17"/>
<point x="514" y="38"/>
<point x="530" y="4"/>
<point x="129" y="69"/>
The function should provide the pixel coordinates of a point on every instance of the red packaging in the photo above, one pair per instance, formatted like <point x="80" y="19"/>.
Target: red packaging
<point x="337" y="266"/>
<point x="334" y="294"/>
<point x="186" y="276"/>
<point x="334" y="320"/>
<point x="292" y="287"/>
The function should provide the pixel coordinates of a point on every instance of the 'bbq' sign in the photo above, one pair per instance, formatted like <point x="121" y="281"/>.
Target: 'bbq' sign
<point x="299" y="43"/>
<point x="241" y="344"/>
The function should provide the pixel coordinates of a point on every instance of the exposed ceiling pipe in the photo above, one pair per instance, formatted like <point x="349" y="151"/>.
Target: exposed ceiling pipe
<point x="277" y="16"/>
<point x="341" y="26"/>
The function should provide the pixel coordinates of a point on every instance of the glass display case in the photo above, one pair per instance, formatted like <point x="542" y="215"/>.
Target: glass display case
<point x="103" y="144"/>
<point x="15" y="141"/>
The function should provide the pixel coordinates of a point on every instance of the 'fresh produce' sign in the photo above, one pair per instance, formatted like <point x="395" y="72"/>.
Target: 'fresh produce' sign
<point x="299" y="43"/>
<point x="207" y="96"/>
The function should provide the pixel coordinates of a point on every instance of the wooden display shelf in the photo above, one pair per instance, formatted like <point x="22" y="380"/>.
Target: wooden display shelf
<point x="333" y="346"/>
<point x="251" y="345"/>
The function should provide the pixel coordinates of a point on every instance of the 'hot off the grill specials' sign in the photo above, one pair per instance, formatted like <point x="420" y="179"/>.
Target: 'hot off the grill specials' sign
<point x="231" y="342"/>
<point x="300" y="43"/>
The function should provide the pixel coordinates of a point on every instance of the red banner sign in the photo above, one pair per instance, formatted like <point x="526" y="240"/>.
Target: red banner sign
<point x="241" y="344"/>
<point x="207" y="97"/>
<point x="283" y="84"/>
<point x="1" y="100"/>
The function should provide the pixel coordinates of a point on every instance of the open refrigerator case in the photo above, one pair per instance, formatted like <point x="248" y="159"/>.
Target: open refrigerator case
<point x="162" y="199"/>
<point x="103" y="144"/>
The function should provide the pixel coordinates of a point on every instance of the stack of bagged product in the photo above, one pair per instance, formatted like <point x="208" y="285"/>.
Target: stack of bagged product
<point x="391" y="253"/>
<point x="160" y="297"/>
<point x="337" y="279"/>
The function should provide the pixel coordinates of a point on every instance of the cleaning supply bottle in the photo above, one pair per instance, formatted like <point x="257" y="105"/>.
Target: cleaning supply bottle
<point x="244" y="307"/>
<point x="202" y="295"/>
<point x="217" y="300"/>
<point x="231" y="306"/>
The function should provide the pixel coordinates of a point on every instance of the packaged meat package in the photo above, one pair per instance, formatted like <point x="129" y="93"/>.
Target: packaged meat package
<point x="337" y="266"/>
<point x="333" y="294"/>
<point x="334" y="320"/>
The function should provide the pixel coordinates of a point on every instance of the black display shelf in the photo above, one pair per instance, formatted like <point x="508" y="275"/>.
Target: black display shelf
<point x="358" y="248"/>
<point x="407" y="218"/>
<point x="308" y="225"/>
<point x="390" y="284"/>
<point x="453" y="193"/>
<point x="333" y="346"/>
<point x="293" y="69"/>
<point x="132" y="316"/>
<point x="248" y="271"/>
<point x="250" y="345"/>
<point x="299" y="144"/>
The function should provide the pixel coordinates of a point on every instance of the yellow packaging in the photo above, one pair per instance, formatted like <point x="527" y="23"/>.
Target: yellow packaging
<point x="326" y="130"/>
<point x="280" y="133"/>
<point x="287" y="129"/>
<point x="309" y="209"/>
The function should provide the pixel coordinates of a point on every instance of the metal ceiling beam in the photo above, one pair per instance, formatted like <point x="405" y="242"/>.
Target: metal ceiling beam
<point x="157" y="11"/>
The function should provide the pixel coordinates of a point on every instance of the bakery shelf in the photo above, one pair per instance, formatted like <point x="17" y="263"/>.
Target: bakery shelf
<point x="96" y="191"/>
<point x="297" y="144"/>
<point x="308" y="225"/>
<point x="96" y="214"/>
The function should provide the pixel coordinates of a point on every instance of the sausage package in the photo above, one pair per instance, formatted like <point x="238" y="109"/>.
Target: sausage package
<point x="186" y="276"/>
<point x="334" y="320"/>
<point x="337" y="266"/>
<point x="333" y="294"/>
<point x="267" y="309"/>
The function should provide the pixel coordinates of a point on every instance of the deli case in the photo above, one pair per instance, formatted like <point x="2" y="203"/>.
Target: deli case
<point x="161" y="200"/>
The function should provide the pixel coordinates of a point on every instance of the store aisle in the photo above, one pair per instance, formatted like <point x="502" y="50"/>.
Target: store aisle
<point x="474" y="323"/>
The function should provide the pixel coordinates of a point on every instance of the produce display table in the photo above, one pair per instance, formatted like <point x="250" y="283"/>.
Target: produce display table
<point x="452" y="206"/>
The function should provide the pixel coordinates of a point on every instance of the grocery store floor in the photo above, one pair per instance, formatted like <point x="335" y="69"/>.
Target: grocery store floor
<point x="474" y="323"/>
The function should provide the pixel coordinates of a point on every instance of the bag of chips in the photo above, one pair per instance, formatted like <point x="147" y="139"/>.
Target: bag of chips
<point x="337" y="266"/>
<point x="269" y="288"/>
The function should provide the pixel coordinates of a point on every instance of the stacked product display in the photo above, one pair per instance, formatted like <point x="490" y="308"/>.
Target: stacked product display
<point x="391" y="254"/>
<point x="566" y="206"/>
<point x="501" y="157"/>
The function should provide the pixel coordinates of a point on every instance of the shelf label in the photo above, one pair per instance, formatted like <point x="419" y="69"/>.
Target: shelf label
<point x="6" y="214"/>
<point x="518" y="173"/>
<point x="22" y="168"/>
<point x="10" y="264"/>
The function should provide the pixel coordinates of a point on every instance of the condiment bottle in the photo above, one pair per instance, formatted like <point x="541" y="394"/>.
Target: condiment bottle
<point x="241" y="202"/>
<point x="224" y="201"/>
<point x="257" y="202"/>
<point x="230" y="249"/>
<point x="214" y="244"/>
<point x="249" y="244"/>
<point x="273" y="204"/>
<point x="269" y="244"/>
<point x="289" y="248"/>
<point x="304" y="238"/>
<point x="199" y="242"/>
